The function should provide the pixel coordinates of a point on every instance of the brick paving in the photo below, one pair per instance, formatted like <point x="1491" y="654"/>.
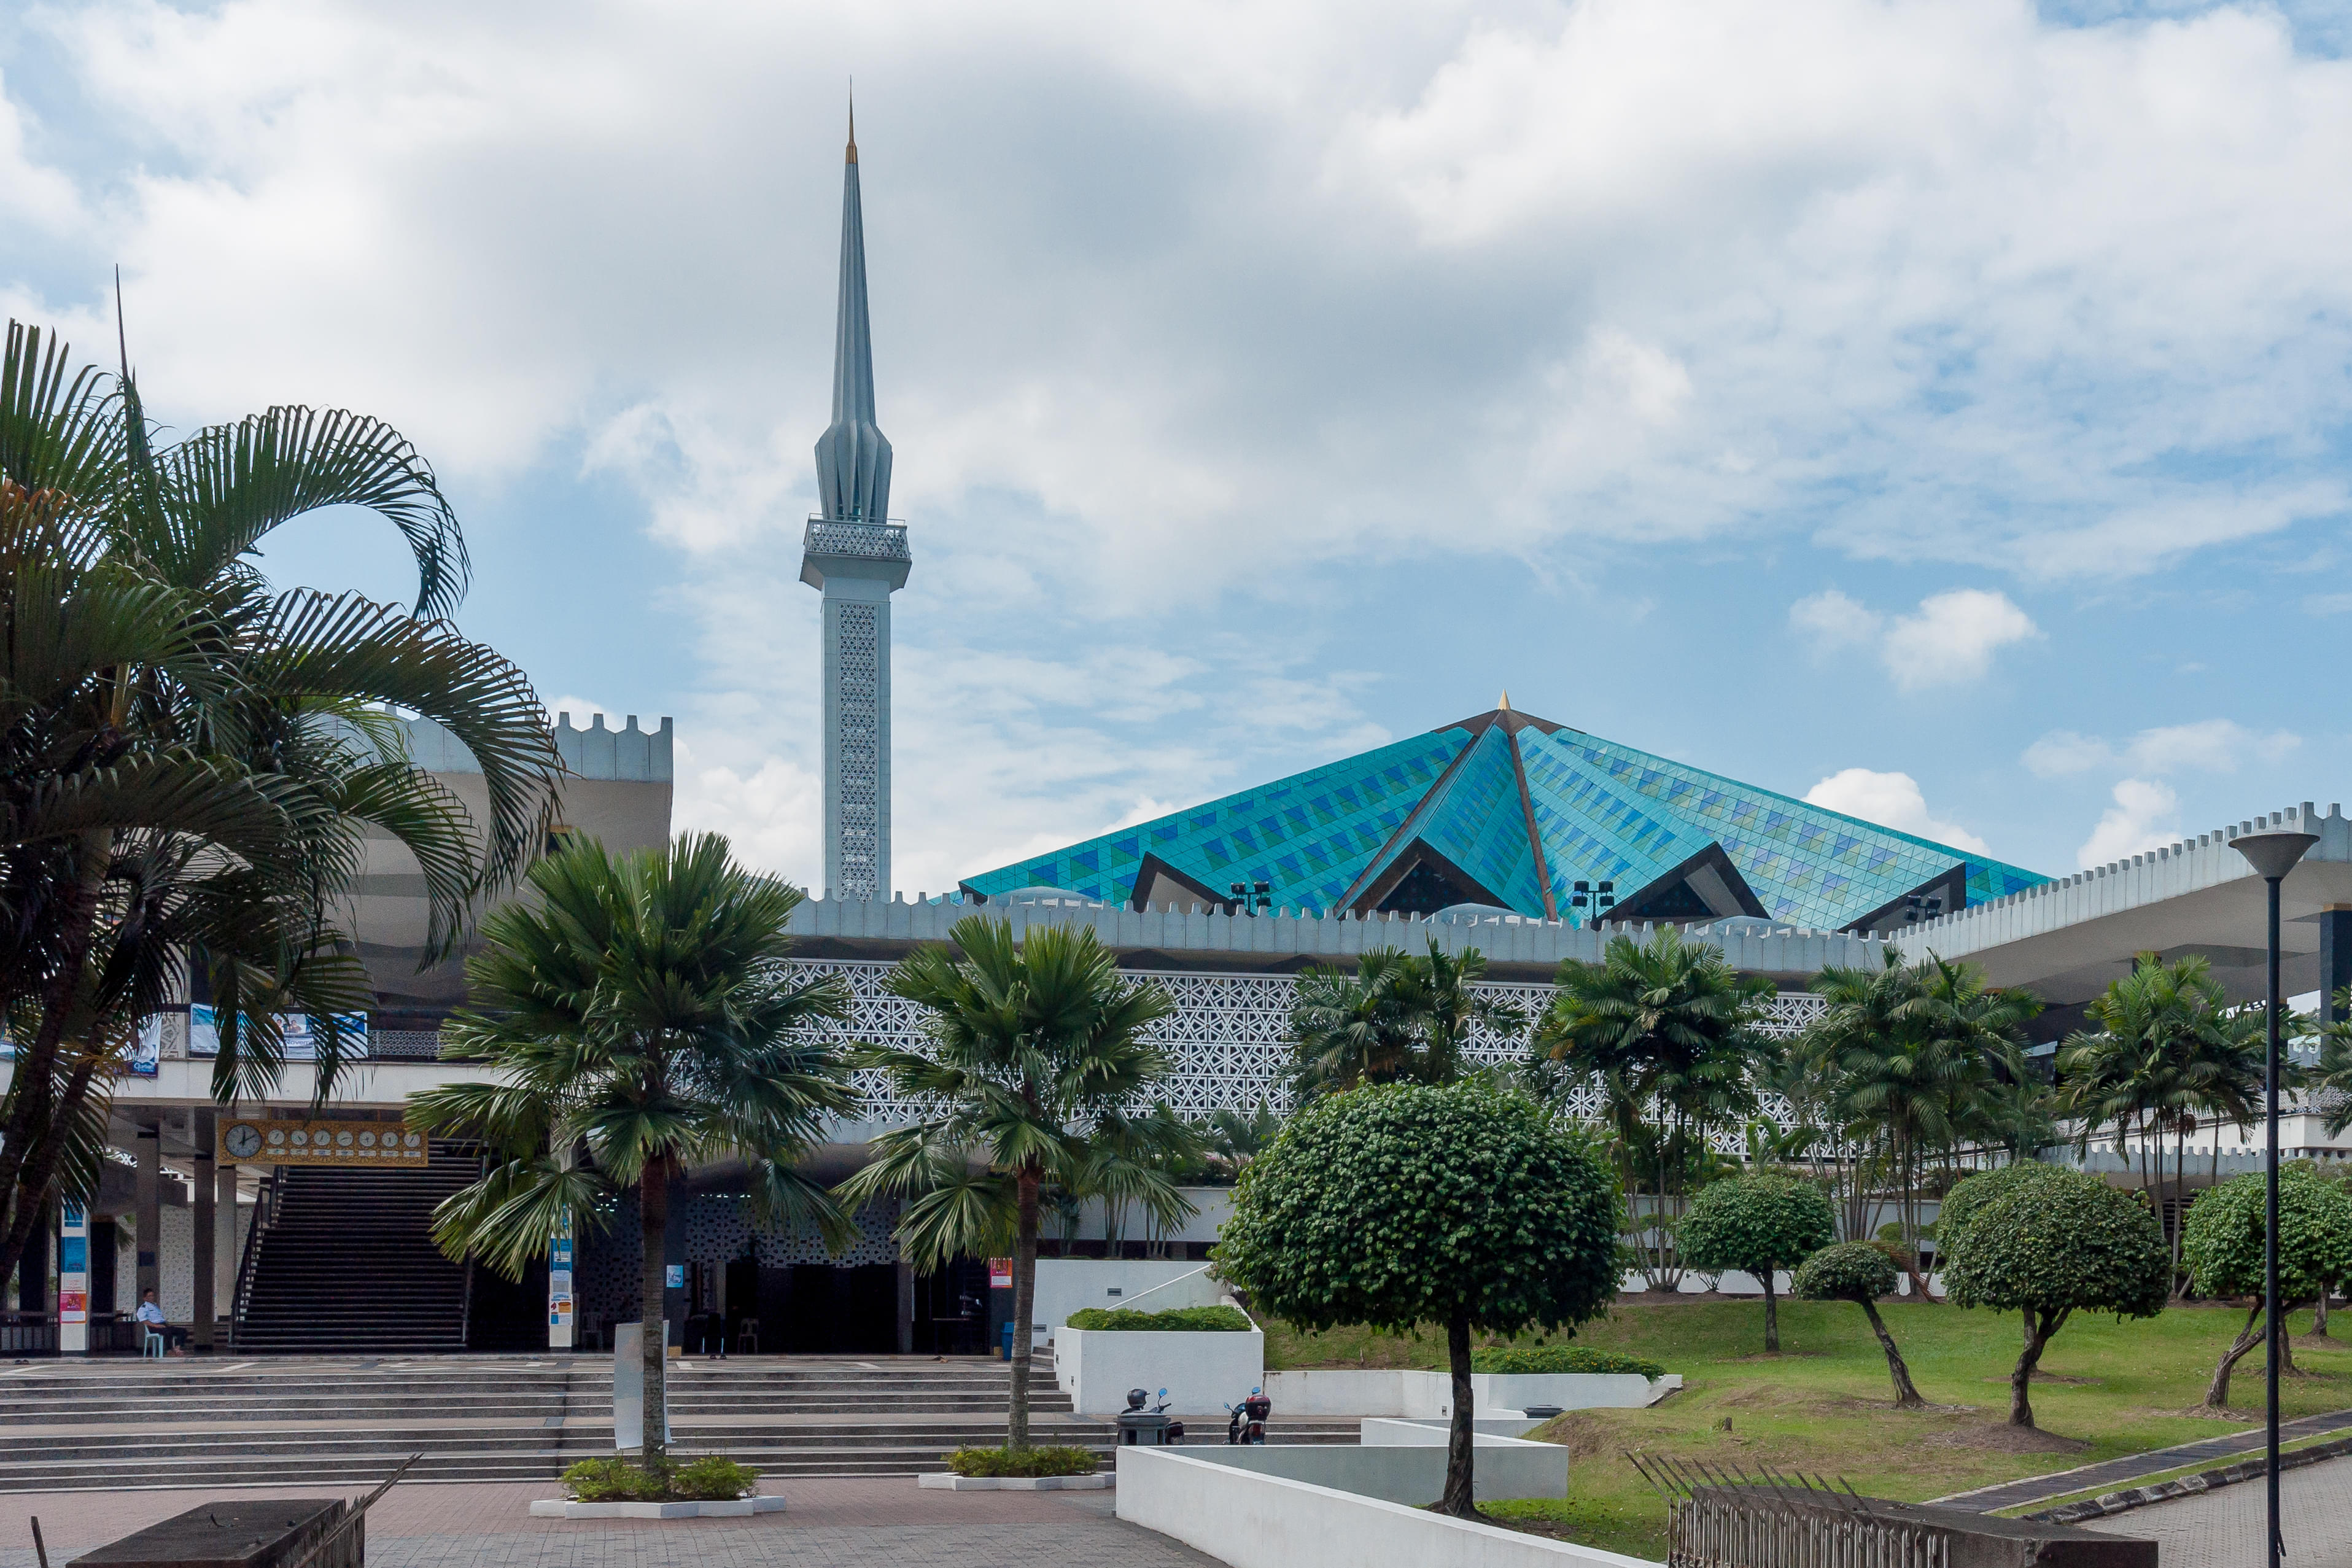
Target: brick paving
<point x="2224" y="1529"/>
<point x="851" y="1523"/>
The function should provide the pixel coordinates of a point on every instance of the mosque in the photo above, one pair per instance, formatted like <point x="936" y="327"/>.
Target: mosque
<point x="1527" y="839"/>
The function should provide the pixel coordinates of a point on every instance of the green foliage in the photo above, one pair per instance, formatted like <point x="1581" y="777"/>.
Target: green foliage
<point x="1848" y="1271"/>
<point x="1410" y="1205"/>
<point x="1044" y="1461"/>
<point x="1972" y="1193"/>
<point x="710" y="1478"/>
<point x="1561" y="1357"/>
<point x="1171" y="1320"/>
<point x="2222" y="1244"/>
<point x="714" y="1479"/>
<point x="1400" y="1018"/>
<point x="2065" y="1243"/>
<point x="1755" y="1223"/>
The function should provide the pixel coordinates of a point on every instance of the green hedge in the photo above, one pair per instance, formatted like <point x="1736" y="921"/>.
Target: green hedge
<point x="1065" y="1461"/>
<point x="1175" y="1319"/>
<point x="1558" y="1358"/>
<point x="707" y="1480"/>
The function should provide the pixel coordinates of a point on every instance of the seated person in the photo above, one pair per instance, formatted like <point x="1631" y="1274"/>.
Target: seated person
<point x="152" y="1316"/>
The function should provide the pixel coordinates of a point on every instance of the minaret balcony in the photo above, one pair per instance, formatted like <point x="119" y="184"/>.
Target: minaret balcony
<point x="843" y="547"/>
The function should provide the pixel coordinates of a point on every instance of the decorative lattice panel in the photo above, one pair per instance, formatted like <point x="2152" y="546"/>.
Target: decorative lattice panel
<point x="857" y="751"/>
<point x="1230" y="1037"/>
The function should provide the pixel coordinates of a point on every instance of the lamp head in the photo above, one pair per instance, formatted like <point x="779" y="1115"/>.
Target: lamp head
<point x="2273" y="852"/>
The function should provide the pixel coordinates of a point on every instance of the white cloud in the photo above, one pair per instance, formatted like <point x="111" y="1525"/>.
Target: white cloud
<point x="1891" y="800"/>
<point x="581" y="708"/>
<point x="1949" y="640"/>
<point x="2145" y="815"/>
<point x="2207" y="746"/>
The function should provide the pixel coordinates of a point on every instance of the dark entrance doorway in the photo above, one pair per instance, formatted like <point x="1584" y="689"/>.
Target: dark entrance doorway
<point x="816" y="1308"/>
<point x="951" y="1310"/>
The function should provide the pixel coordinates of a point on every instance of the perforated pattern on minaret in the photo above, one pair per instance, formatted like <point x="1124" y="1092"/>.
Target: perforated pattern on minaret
<point x="858" y="745"/>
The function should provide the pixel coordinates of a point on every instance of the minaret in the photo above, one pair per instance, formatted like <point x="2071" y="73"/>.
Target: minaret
<point x="857" y="557"/>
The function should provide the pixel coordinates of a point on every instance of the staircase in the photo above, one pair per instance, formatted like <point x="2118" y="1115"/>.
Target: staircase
<point x="348" y="1264"/>
<point x="341" y="1420"/>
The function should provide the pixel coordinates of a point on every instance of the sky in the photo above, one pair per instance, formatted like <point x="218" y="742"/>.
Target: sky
<point x="1937" y="410"/>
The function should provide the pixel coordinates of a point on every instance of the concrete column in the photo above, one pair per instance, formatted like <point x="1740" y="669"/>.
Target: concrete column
<point x="203" y="1195"/>
<point x="149" y="1218"/>
<point x="225" y="1250"/>
<point x="2335" y="960"/>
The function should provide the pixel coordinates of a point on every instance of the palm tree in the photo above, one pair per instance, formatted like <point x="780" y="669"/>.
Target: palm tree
<point x="641" y="1011"/>
<point x="1039" y="1068"/>
<point x="190" y="766"/>
<point x="1352" y="1029"/>
<point x="1665" y="1030"/>
<point x="1235" y="1138"/>
<point x="2166" y="1049"/>
<point x="1439" y="994"/>
<point x="1913" y="1050"/>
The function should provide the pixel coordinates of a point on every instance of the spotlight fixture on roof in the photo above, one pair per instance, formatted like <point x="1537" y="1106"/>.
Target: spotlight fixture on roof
<point x="1599" y="901"/>
<point x="1252" y="898"/>
<point x="1916" y="908"/>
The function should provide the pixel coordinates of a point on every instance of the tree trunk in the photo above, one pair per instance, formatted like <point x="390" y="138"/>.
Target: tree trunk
<point x="1906" y="1397"/>
<point x="1024" y="1306"/>
<point x="1459" y="1445"/>
<point x="653" y="1233"/>
<point x="2319" y="1312"/>
<point x="1771" y="1314"/>
<point x="2217" y="1392"/>
<point x="2180" y="1204"/>
<point x="2038" y="1329"/>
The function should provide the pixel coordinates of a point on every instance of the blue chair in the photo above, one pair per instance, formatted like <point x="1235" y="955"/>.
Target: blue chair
<point x="150" y="1343"/>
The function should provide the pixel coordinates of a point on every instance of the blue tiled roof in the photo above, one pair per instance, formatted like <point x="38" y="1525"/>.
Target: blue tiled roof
<point x="1466" y="797"/>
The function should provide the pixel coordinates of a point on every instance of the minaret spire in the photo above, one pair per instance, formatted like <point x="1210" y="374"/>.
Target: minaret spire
<point x="857" y="558"/>
<point x="853" y="456"/>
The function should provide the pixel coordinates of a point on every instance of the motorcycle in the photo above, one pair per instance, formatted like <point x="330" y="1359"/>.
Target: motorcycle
<point x="1249" y="1417"/>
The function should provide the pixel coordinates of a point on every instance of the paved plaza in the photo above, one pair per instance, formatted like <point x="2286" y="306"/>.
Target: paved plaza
<point x="855" y="1523"/>
<point x="2223" y="1528"/>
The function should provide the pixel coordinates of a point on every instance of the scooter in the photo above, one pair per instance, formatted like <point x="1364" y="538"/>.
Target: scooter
<point x="1248" y="1423"/>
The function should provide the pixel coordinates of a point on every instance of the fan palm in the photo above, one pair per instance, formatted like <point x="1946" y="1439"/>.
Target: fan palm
<point x="1350" y="1029"/>
<point x="189" y="764"/>
<point x="1666" y="1029"/>
<point x="1040" y="1072"/>
<point x="641" y="1010"/>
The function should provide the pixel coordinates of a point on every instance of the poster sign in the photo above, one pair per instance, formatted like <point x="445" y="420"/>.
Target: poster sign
<point x="301" y="1042"/>
<point x="73" y="1281"/>
<point x="999" y="1274"/>
<point x="559" y="1287"/>
<point x="273" y="1140"/>
<point x="673" y="1275"/>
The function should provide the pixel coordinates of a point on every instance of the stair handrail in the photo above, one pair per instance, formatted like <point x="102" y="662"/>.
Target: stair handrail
<point x="265" y="1215"/>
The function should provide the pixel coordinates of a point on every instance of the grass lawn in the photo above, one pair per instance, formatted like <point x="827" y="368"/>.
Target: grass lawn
<point x="1824" y="1404"/>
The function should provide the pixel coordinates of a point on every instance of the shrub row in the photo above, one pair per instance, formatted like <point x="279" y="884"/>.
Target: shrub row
<point x="1050" y="1461"/>
<point x="707" y="1480"/>
<point x="1560" y="1358"/>
<point x="1175" y="1319"/>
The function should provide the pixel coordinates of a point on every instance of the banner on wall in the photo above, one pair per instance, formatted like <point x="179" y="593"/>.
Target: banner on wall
<point x="301" y="1040"/>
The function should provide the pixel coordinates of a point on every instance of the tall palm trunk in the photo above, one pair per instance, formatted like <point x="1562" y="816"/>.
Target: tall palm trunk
<point x="653" y="1231"/>
<point x="1024" y="1304"/>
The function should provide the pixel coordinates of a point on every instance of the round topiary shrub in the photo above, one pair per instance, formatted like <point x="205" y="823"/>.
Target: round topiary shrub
<point x="2222" y="1244"/>
<point x="1856" y="1271"/>
<point x="1759" y="1225"/>
<point x="2051" y="1246"/>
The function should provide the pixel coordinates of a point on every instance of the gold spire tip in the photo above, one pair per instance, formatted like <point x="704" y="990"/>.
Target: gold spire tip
<point x="853" y="124"/>
<point x="1502" y="703"/>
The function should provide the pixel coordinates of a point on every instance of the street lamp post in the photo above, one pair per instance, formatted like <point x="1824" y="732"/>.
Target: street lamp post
<point x="2273" y="853"/>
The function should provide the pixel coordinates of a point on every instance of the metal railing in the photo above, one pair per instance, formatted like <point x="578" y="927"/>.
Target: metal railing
<point x="1730" y="1520"/>
<point x="265" y="1215"/>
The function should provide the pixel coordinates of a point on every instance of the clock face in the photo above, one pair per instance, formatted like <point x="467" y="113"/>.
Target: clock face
<point x="244" y="1140"/>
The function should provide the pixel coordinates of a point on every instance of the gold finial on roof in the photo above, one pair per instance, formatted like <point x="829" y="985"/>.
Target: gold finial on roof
<point x="1504" y="701"/>
<point x="853" y="121"/>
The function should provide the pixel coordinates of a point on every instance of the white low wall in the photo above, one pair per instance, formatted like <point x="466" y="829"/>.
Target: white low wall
<point x="1203" y="1372"/>
<point x="1252" y="1520"/>
<point x="1408" y="1431"/>
<point x="1342" y="1392"/>
<point x="1410" y="1469"/>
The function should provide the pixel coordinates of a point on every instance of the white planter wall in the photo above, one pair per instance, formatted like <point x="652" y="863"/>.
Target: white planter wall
<point x="1202" y="1372"/>
<point x="1411" y="1471"/>
<point x="1252" y="1520"/>
<point x="1426" y="1395"/>
<point x="1067" y="1285"/>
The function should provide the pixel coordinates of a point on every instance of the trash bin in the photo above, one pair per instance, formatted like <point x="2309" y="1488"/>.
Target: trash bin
<point x="1142" y="1429"/>
<point x="1007" y="1343"/>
